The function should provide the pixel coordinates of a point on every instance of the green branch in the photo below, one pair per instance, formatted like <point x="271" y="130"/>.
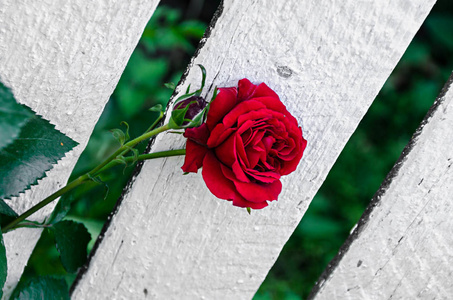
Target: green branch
<point x="131" y="160"/>
<point x="106" y="164"/>
<point x="44" y="202"/>
<point x="126" y="147"/>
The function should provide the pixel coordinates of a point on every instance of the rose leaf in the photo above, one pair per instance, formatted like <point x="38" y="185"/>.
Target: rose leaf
<point x="71" y="239"/>
<point x="3" y="266"/>
<point x="7" y="214"/>
<point x="12" y="116"/>
<point x="43" y="287"/>
<point x="32" y="153"/>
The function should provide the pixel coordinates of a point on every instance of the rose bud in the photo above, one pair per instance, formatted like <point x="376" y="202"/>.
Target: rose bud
<point x="196" y="106"/>
<point x="188" y="112"/>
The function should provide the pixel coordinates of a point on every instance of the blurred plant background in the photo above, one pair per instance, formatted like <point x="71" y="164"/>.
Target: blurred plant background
<point x="163" y="53"/>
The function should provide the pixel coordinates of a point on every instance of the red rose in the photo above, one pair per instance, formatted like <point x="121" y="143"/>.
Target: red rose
<point x="249" y="140"/>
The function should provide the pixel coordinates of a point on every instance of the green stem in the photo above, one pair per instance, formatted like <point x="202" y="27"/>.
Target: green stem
<point x="161" y="115"/>
<point x="87" y="176"/>
<point x="167" y="153"/>
<point x="130" y="159"/>
<point x="31" y="224"/>
<point x="44" y="202"/>
<point x="125" y="148"/>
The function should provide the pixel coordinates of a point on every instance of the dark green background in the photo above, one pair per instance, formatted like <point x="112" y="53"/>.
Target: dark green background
<point x="164" y="51"/>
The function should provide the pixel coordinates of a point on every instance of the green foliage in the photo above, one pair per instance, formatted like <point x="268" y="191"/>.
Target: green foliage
<point x="61" y="210"/>
<point x="12" y="116"/>
<point x="29" y="146"/>
<point x="3" y="264"/>
<point x="71" y="239"/>
<point x="37" y="148"/>
<point x="165" y="31"/>
<point x="178" y="117"/>
<point x="165" y="44"/>
<point x="144" y="75"/>
<point x="170" y="85"/>
<point x="7" y="214"/>
<point x="42" y="288"/>
<point x="46" y="259"/>
<point x="203" y="79"/>
<point x="157" y="107"/>
<point x="440" y="27"/>
<point x="120" y="135"/>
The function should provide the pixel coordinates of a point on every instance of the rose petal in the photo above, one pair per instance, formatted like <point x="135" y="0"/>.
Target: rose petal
<point x="221" y="187"/>
<point x="198" y="134"/>
<point x="290" y="166"/>
<point x="262" y="90"/>
<point x="219" y="135"/>
<point x="215" y="180"/>
<point x="286" y="149"/>
<point x="260" y="114"/>
<point x="257" y="138"/>
<point x="255" y="192"/>
<point x="268" y="141"/>
<point x="253" y="156"/>
<point x="224" y="102"/>
<point x="226" y="152"/>
<point x="241" y="202"/>
<point x="245" y="89"/>
<point x="272" y="103"/>
<point x="276" y="105"/>
<point x="231" y="174"/>
<point x="239" y="173"/>
<point x="193" y="159"/>
<point x="264" y="177"/>
<point x="231" y="118"/>
<point x="241" y="152"/>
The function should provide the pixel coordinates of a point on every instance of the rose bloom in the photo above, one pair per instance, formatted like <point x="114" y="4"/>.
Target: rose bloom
<point x="249" y="140"/>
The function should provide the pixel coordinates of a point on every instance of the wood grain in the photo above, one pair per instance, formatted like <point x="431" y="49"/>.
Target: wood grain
<point x="172" y="239"/>
<point x="402" y="247"/>
<point x="63" y="59"/>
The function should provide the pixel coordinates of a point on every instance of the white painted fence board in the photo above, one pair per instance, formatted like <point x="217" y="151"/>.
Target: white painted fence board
<point x="63" y="59"/>
<point x="402" y="247"/>
<point x="170" y="238"/>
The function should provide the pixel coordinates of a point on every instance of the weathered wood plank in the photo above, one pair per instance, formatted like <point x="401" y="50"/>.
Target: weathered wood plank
<point x="170" y="238"/>
<point x="402" y="246"/>
<point x="63" y="59"/>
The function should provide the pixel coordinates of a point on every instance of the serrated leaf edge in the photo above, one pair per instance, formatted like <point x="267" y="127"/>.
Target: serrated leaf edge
<point x="11" y="197"/>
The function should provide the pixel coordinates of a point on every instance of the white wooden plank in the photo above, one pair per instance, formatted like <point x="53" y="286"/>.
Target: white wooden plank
<point x="171" y="239"/>
<point x="402" y="247"/>
<point x="63" y="59"/>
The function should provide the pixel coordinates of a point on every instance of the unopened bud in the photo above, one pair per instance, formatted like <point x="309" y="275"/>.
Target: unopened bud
<point x="196" y="106"/>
